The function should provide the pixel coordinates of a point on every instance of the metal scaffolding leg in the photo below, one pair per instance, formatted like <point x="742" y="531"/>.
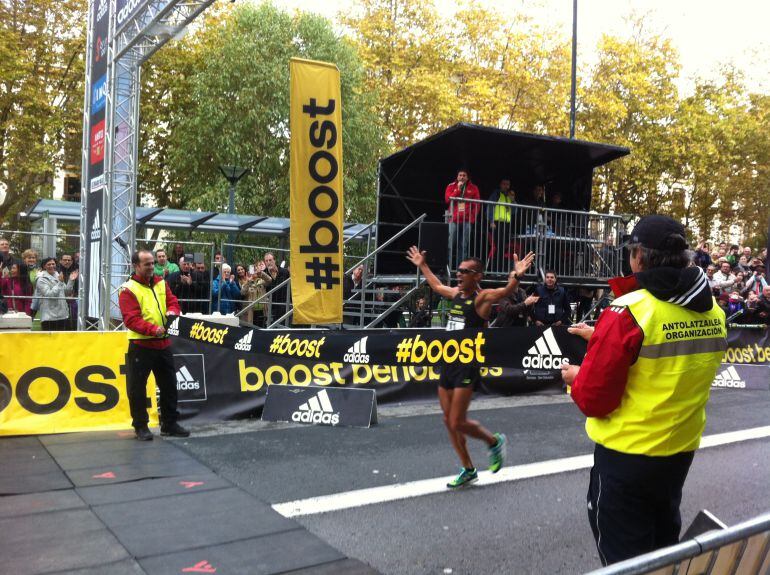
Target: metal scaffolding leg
<point x="131" y="44"/>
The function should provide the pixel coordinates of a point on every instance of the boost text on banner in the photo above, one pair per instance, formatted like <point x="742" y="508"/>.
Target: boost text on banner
<point x="316" y="192"/>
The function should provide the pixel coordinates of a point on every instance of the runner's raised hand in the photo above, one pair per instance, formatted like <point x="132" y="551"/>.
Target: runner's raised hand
<point x="521" y="266"/>
<point x="416" y="256"/>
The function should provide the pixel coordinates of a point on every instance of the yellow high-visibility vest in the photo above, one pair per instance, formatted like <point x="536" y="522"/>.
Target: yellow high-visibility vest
<point x="152" y="300"/>
<point x="663" y="408"/>
<point x="502" y="212"/>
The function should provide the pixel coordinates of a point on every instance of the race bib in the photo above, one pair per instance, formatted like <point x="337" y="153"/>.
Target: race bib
<point x="455" y="323"/>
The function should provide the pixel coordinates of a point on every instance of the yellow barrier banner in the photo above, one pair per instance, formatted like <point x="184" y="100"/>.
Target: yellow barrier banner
<point x="63" y="381"/>
<point x="316" y="192"/>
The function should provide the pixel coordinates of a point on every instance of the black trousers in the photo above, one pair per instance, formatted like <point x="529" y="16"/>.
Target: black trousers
<point x="54" y="325"/>
<point x="140" y="361"/>
<point x="633" y="502"/>
<point x="502" y="236"/>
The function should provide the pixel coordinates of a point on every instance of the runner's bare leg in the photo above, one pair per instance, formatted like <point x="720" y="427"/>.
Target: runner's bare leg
<point x="459" y="421"/>
<point x="445" y="397"/>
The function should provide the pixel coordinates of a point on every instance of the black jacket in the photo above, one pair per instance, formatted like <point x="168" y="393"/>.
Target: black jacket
<point x="556" y="297"/>
<point x="512" y="311"/>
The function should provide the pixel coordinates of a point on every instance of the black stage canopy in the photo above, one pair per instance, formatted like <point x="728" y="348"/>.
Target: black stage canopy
<point x="412" y="181"/>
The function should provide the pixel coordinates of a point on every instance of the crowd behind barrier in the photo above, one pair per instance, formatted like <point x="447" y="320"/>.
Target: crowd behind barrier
<point x="257" y="291"/>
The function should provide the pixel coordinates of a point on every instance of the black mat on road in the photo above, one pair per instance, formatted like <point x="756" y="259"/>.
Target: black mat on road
<point x="16" y="484"/>
<point x="263" y="555"/>
<point x="57" y="541"/>
<point x="178" y="522"/>
<point x="17" y="505"/>
<point x="103" y="503"/>
<point x="151" y="488"/>
<point x="122" y="473"/>
<point x="105" y="455"/>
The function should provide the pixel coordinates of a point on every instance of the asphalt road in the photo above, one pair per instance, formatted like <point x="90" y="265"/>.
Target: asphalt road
<point x="534" y="525"/>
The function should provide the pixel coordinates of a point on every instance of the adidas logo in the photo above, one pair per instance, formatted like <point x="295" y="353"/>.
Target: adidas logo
<point x="244" y="344"/>
<point x="185" y="380"/>
<point x="317" y="409"/>
<point x="545" y="354"/>
<point x="96" y="228"/>
<point x="357" y="352"/>
<point x="729" y="378"/>
<point x="173" y="329"/>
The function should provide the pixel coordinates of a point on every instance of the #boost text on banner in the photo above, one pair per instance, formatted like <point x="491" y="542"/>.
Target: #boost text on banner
<point x="316" y="192"/>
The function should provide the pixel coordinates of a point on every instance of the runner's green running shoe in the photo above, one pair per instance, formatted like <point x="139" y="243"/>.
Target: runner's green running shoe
<point x="466" y="477"/>
<point x="497" y="453"/>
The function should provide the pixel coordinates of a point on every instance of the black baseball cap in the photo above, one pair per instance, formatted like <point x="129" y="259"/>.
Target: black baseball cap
<point x="654" y="232"/>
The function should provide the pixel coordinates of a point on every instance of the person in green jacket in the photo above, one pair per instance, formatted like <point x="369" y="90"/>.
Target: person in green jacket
<point x="163" y="267"/>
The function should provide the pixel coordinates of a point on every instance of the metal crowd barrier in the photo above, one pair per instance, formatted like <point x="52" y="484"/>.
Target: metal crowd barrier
<point x="579" y="245"/>
<point x="742" y="549"/>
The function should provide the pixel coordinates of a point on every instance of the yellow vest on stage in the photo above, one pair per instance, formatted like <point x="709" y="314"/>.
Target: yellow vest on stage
<point x="152" y="300"/>
<point x="502" y="211"/>
<point x="663" y="408"/>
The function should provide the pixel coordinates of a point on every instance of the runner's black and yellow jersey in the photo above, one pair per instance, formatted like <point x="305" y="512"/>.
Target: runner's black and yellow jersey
<point x="463" y="314"/>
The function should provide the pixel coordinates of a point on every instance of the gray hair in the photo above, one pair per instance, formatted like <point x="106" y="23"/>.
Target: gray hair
<point x="651" y="258"/>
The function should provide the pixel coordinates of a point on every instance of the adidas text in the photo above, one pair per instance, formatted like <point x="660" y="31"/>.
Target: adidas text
<point x="357" y="352"/>
<point x="173" y="329"/>
<point x="315" y="417"/>
<point x="544" y="361"/>
<point x="187" y="386"/>
<point x="244" y="344"/>
<point x="735" y="384"/>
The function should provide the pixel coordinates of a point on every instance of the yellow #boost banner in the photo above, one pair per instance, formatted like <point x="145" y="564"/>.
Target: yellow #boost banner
<point x="316" y="192"/>
<point x="61" y="382"/>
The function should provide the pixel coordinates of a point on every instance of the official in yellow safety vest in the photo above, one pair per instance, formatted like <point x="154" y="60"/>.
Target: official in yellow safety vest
<point x="644" y="384"/>
<point x="146" y="302"/>
<point x="499" y="215"/>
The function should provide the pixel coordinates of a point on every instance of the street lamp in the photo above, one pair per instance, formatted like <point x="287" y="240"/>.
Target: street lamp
<point x="233" y="174"/>
<point x="573" y="86"/>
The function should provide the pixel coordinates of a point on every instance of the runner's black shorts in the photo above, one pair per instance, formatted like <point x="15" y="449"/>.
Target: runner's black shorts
<point x="459" y="375"/>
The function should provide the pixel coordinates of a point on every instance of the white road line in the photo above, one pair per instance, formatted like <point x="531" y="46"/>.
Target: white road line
<point x="373" y="495"/>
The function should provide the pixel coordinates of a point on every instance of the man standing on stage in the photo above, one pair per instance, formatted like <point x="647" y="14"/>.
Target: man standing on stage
<point x="499" y="215"/>
<point x="146" y="302"/>
<point x="470" y="308"/>
<point x="644" y="384"/>
<point x="462" y="215"/>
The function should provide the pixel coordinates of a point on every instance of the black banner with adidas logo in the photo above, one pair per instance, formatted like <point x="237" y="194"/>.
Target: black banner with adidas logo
<point x="229" y="377"/>
<point x="235" y="368"/>
<point x="514" y="347"/>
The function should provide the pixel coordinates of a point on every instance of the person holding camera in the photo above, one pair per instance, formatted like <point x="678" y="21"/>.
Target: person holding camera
<point x="147" y="302"/>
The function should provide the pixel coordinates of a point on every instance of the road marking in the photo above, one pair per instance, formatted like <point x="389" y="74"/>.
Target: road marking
<point x="386" y="493"/>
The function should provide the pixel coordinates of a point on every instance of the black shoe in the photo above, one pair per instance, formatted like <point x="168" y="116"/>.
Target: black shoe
<point x="143" y="434"/>
<point x="174" y="430"/>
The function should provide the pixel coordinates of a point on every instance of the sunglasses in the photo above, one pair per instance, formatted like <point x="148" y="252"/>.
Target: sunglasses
<point x="467" y="271"/>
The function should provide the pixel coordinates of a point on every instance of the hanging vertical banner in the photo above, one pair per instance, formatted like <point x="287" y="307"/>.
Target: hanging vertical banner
<point x="94" y="149"/>
<point x="316" y="192"/>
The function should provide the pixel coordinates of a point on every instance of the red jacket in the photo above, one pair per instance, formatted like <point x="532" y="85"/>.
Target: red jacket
<point x="13" y="287"/>
<point x="468" y="214"/>
<point x="132" y="315"/>
<point x="601" y="381"/>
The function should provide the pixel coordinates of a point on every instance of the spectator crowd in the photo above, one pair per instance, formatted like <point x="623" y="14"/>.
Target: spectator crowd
<point x="47" y="289"/>
<point x="737" y="277"/>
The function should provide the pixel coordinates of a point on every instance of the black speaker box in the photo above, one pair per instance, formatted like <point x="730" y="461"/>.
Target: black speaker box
<point x="434" y="238"/>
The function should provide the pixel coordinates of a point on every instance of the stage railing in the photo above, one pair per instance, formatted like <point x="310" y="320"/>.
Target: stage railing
<point x="582" y="246"/>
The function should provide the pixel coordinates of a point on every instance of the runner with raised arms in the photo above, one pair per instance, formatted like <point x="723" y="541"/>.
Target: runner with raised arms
<point x="470" y="308"/>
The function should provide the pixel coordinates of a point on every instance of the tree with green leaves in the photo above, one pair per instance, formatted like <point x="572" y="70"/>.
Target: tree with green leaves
<point x="42" y="45"/>
<point x="227" y="103"/>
